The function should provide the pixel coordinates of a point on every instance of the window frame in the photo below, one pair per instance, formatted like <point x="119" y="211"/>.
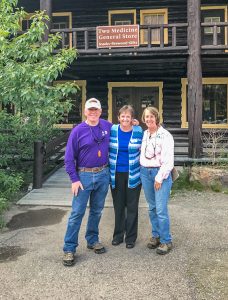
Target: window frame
<point x="119" y="12"/>
<point x="184" y="82"/>
<point x="144" y="12"/>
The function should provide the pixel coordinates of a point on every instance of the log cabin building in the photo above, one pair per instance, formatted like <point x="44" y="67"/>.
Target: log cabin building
<point x="180" y="64"/>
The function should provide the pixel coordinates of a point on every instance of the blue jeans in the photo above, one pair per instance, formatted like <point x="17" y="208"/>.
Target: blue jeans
<point x="158" y="203"/>
<point x="95" y="187"/>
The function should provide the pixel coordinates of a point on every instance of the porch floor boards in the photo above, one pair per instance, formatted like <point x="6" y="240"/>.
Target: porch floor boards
<point x="56" y="191"/>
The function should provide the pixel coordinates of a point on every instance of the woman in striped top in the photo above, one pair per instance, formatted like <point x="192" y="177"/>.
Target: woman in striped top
<point x="124" y="152"/>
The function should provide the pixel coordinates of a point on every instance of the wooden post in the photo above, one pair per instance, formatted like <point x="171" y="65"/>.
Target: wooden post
<point x="38" y="165"/>
<point x="194" y="73"/>
<point x="46" y="5"/>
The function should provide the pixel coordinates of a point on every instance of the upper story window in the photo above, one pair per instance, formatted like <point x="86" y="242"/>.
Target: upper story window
<point x="213" y="14"/>
<point x="60" y="20"/>
<point x="122" y="17"/>
<point x="154" y="17"/>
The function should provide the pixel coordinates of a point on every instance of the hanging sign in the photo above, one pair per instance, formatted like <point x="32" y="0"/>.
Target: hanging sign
<point x="117" y="36"/>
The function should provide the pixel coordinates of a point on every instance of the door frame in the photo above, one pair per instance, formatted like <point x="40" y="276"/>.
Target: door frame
<point x="158" y="84"/>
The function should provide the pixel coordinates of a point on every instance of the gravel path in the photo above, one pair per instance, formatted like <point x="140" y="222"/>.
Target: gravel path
<point x="197" y="268"/>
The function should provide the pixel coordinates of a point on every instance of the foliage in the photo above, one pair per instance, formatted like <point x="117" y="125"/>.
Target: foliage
<point x="10" y="183"/>
<point x="28" y="68"/>
<point x="183" y="183"/>
<point x="216" y="186"/>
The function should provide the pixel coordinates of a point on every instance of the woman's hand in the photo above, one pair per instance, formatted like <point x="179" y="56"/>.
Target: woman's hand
<point x="157" y="185"/>
<point x="135" y="122"/>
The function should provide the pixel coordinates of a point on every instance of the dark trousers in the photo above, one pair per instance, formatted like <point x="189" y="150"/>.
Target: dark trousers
<point x="125" y="201"/>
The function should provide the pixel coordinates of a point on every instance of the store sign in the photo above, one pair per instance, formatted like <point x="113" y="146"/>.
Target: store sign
<point x="118" y="36"/>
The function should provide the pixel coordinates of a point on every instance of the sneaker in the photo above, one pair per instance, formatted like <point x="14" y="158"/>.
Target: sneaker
<point x="68" y="259"/>
<point x="164" y="248"/>
<point x="153" y="243"/>
<point x="98" y="248"/>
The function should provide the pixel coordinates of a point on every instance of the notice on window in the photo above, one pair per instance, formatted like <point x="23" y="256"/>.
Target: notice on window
<point x="117" y="36"/>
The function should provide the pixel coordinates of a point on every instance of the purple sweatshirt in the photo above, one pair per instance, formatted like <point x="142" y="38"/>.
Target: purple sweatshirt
<point x="87" y="146"/>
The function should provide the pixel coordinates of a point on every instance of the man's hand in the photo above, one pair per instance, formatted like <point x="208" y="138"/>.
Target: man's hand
<point x="157" y="185"/>
<point x="75" y="187"/>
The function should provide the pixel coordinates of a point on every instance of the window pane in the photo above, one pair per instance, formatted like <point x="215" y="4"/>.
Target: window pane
<point x="209" y="30"/>
<point x="153" y="19"/>
<point x="126" y="22"/>
<point x="214" y="103"/>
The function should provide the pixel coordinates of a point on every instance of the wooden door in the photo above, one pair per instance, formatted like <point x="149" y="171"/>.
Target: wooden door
<point x="138" y="97"/>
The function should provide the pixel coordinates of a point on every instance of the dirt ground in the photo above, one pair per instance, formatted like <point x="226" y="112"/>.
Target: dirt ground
<point x="197" y="267"/>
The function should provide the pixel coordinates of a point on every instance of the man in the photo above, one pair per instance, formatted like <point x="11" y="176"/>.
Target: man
<point x="86" y="161"/>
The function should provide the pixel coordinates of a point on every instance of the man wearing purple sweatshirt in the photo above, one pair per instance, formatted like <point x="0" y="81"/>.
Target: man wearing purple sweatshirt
<point x="86" y="161"/>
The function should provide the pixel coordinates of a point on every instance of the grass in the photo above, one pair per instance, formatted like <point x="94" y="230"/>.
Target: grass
<point x="183" y="183"/>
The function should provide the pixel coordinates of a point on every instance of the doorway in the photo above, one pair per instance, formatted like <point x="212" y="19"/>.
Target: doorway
<point x="139" y="95"/>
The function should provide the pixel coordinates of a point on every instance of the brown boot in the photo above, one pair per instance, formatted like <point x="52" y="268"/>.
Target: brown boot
<point x="153" y="243"/>
<point x="164" y="248"/>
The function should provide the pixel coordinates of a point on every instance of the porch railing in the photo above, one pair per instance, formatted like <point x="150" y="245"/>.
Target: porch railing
<point x="48" y="158"/>
<point x="84" y="39"/>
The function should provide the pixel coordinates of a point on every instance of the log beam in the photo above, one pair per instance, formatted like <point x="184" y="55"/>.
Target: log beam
<point x="194" y="73"/>
<point x="46" y="5"/>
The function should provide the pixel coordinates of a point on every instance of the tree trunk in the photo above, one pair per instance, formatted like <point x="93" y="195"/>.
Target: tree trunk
<point x="194" y="74"/>
<point x="46" y="5"/>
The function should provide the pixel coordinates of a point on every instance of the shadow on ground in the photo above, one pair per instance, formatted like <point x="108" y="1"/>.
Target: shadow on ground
<point x="11" y="253"/>
<point x="36" y="218"/>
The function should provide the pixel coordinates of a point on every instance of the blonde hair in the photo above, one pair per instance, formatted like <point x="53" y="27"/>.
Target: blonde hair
<point x="152" y="110"/>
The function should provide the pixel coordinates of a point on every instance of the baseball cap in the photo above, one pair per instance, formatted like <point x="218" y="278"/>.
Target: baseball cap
<point x="92" y="103"/>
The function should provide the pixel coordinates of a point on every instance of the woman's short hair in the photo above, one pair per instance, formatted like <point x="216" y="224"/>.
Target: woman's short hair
<point x="152" y="110"/>
<point x="128" y="108"/>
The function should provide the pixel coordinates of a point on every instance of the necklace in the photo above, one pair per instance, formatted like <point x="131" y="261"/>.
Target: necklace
<point x="97" y="139"/>
<point x="149" y="155"/>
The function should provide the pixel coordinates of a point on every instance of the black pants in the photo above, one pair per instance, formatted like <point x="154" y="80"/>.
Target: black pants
<point x="125" y="201"/>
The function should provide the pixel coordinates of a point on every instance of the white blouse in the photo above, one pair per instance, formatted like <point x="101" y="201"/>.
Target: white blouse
<point x="158" y="151"/>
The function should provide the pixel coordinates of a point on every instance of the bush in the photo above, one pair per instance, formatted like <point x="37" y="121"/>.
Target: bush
<point x="9" y="186"/>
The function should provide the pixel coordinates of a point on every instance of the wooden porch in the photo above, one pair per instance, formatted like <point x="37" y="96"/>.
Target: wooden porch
<point x="84" y="40"/>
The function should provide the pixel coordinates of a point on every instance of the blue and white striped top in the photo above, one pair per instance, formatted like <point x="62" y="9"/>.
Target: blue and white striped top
<point x="134" y="153"/>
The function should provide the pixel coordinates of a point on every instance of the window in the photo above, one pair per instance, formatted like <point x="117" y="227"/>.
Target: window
<point x="76" y="113"/>
<point x="215" y="103"/>
<point x="213" y="14"/>
<point x="63" y="20"/>
<point x="153" y="17"/>
<point x="122" y="17"/>
<point x="60" y="20"/>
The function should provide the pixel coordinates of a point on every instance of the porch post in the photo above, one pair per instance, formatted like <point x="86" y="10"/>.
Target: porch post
<point x="194" y="73"/>
<point x="46" y="5"/>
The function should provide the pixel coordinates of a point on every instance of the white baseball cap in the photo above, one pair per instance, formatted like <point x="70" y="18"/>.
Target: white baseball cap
<point x="92" y="103"/>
